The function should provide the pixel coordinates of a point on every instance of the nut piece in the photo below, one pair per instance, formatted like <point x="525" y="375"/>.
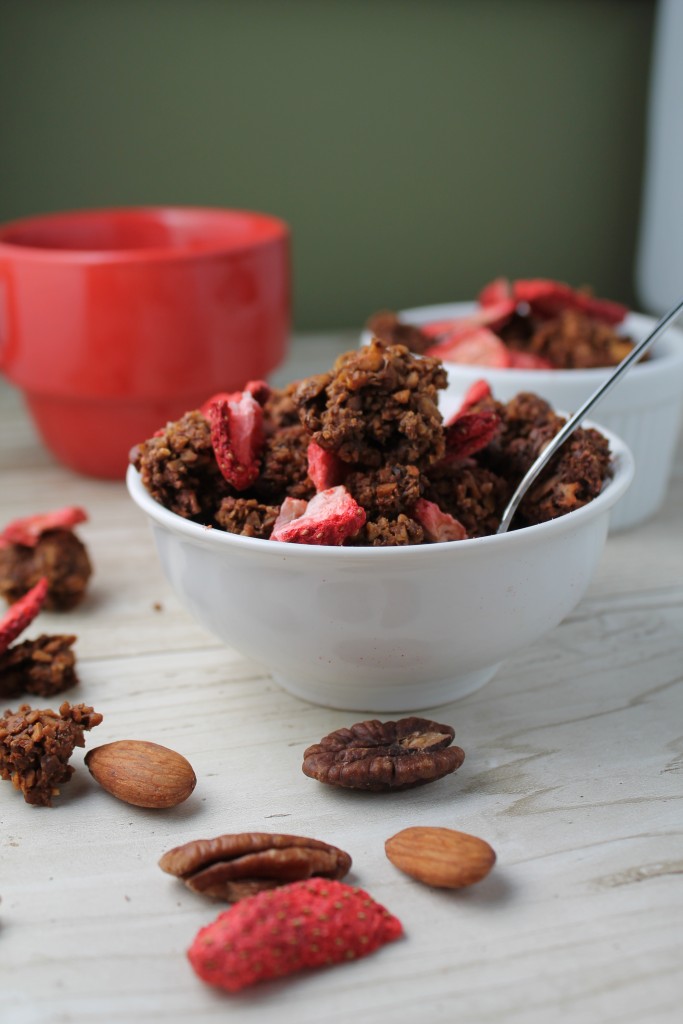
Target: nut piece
<point x="231" y="867"/>
<point x="142" y="773"/>
<point x="440" y="856"/>
<point x="384" y="755"/>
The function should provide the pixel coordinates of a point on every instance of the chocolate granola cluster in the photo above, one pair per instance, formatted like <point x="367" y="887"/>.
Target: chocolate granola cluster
<point x="361" y="455"/>
<point x="570" y="341"/>
<point x="44" y="666"/>
<point x="58" y="555"/>
<point x="36" y="745"/>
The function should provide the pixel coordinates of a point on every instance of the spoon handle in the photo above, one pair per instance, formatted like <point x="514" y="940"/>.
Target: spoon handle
<point x="570" y="426"/>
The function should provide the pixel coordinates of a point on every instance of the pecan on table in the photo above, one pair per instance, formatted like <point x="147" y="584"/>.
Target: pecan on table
<point x="384" y="755"/>
<point x="231" y="867"/>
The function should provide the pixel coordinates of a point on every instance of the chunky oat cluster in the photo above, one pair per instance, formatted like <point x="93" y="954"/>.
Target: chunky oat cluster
<point x="55" y="554"/>
<point x="44" y="666"/>
<point x="361" y="455"/>
<point x="35" y="747"/>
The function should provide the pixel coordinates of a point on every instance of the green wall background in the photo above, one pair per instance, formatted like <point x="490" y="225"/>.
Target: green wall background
<point x="417" y="147"/>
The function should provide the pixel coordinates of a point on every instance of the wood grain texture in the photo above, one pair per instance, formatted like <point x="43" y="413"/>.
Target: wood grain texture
<point x="574" y="774"/>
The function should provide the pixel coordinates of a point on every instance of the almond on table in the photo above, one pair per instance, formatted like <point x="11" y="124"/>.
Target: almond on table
<point x="440" y="857"/>
<point x="142" y="773"/>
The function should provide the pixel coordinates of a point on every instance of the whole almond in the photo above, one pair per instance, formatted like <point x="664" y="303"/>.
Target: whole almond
<point x="440" y="856"/>
<point x="142" y="773"/>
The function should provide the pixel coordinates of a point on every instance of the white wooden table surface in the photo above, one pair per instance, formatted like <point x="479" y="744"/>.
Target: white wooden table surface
<point x="574" y="773"/>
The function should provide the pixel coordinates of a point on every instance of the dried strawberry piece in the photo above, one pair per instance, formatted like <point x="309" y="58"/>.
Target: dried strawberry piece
<point x="493" y="316"/>
<point x="529" y="361"/>
<point x="237" y="437"/>
<point x="498" y="290"/>
<point x="331" y="517"/>
<point x="260" y="390"/>
<point x="324" y="468"/>
<point x="600" y="309"/>
<point x="22" y="613"/>
<point x="290" y="509"/>
<point x="303" y="925"/>
<point x="469" y="432"/>
<point x="441" y="330"/>
<point x="547" y="298"/>
<point x="477" y="392"/>
<point x="479" y="347"/>
<point x="438" y="525"/>
<point x="29" y="529"/>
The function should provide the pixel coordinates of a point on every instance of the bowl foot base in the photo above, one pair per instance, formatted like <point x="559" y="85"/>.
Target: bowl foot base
<point x="381" y="698"/>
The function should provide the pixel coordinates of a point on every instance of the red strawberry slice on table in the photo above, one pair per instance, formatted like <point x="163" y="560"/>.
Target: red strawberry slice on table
<point x="303" y="925"/>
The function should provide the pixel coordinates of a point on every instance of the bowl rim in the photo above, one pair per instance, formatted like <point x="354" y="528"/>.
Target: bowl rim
<point x="667" y="353"/>
<point x="623" y="469"/>
<point x="272" y="229"/>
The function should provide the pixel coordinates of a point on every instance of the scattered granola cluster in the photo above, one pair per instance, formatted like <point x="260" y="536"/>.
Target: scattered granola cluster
<point x="361" y="455"/>
<point x="35" y="747"/>
<point x="44" y="666"/>
<point x="524" y="324"/>
<point x="44" y="546"/>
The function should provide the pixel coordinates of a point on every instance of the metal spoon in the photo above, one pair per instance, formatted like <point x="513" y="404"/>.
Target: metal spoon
<point x="571" y="424"/>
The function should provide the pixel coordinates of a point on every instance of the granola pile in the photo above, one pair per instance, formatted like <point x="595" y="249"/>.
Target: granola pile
<point x="361" y="455"/>
<point x="523" y="324"/>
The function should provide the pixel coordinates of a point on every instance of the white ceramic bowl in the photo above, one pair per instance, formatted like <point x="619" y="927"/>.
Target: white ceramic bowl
<point x="384" y="629"/>
<point x="644" y="409"/>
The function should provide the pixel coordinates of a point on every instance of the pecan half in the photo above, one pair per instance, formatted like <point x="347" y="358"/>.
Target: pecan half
<point x="384" y="755"/>
<point x="231" y="867"/>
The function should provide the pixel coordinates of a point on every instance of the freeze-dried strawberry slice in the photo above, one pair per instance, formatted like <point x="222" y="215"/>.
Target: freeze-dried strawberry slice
<point x="493" y="316"/>
<point x="28" y="530"/>
<point x="601" y="309"/>
<point x="547" y="298"/>
<point x="496" y="291"/>
<point x="528" y="361"/>
<point x="478" y="347"/>
<point x="290" y="509"/>
<point x="22" y="613"/>
<point x="477" y="392"/>
<point x="437" y="525"/>
<point x="295" y="927"/>
<point x="469" y="432"/>
<point x="324" y="468"/>
<point x="237" y="437"/>
<point x="331" y="517"/>
<point x="259" y="390"/>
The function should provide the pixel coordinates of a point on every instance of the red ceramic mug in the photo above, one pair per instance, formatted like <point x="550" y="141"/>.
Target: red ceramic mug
<point x="113" y="322"/>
